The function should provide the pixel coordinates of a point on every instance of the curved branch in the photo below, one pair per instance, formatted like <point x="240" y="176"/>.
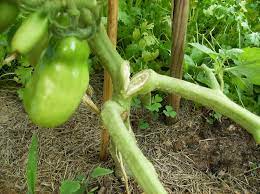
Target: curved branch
<point x="148" y="80"/>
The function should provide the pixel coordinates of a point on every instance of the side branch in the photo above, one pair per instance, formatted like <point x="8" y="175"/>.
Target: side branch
<point x="142" y="169"/>
<point x="148" y="80"/>
<point x="213" y="81"/>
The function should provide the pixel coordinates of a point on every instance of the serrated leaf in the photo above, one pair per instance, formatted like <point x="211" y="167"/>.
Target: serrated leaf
<point x="99" y="171"/>
<point x="31" y="168"/>
<point x="154" y="107"/>
<point x="69" y="187"/>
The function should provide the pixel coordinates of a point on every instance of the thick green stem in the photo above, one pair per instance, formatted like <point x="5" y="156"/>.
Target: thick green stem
<point x="142" y="168"/>
<point x="149" y="80"/>
<point x="117" y="67"/>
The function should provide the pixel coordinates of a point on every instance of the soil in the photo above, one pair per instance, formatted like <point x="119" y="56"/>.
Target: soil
<point x="190" y="156"/>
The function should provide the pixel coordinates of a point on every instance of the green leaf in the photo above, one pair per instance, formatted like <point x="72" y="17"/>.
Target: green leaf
<point x="243" y="84"/>
<point x="157" y="98"/>
<point x="188" y="62"/>
<point x="233" y="53"/>
<point x="69" y="187"/>
<point x="150" y="56"/>
<point x="217" y="116"/>
<point x="133" y="50"/>
<point x="154" y="107"/>
<point x="156" y="103"/>
<point x="136" y="34"/>
<point x="150" y="40"/>
<point x="124" y="18"/>
<point x="23" y="74"/>
<point x="197" y="56"/>
<point x="249" y="65"/>
<point x="97" y="172"/>
<point x="31" y="168"/>
<point x="169" y="112"/>
<point x="250" y="55"/>
<point x="143" y="124"/>
<point x="254" y="38"/>
<point x="136" y="102"/>
<point x="205" y="50"/>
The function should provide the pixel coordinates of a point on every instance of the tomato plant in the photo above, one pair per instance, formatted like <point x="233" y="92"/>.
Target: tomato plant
<point x="61" y="76"/>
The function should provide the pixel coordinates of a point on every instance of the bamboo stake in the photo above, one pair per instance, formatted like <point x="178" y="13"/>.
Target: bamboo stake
<point x="179" y="28"/>
<point x="108" y="87"/>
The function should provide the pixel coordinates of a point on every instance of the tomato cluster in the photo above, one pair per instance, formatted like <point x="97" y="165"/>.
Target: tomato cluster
<point x="61" y="73"/>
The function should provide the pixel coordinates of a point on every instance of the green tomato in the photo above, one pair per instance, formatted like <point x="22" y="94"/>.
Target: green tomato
<point x="8" y="13"/>
<point x="58" y="83"/>
<point x="30" y="33"/>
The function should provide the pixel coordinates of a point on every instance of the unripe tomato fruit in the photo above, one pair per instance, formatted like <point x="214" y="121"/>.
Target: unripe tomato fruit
<point x="58" y="83"/>
<point x="30" y="33"/>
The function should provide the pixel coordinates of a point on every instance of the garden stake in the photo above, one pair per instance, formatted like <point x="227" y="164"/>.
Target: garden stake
<point x="179" y="29"/>
<point x="108" y="87"/>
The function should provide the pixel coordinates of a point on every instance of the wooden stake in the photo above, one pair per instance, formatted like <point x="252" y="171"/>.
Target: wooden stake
<point x="179" y="29"/>
<point x="107" y="87"/>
